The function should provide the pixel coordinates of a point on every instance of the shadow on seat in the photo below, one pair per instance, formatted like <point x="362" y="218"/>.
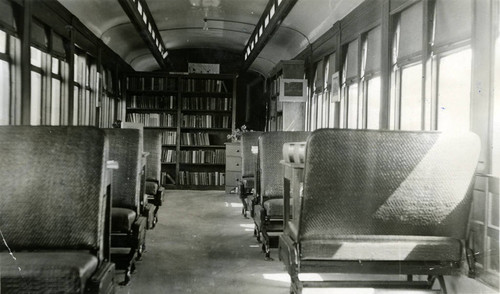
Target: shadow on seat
<point x="54" y="210"/>
<point x="268" y="205"/>
<point x="381" y="202"/>
<point x="128" y="227"/>
<point x="249" y="140"/>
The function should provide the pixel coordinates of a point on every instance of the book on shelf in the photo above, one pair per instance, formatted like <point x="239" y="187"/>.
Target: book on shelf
<point x="169" y="138"/>
<point x="153" y="119"/>
<point x="201" y="178"/>
<point x="195" y="139"/>
<point x="205" y="85"/>
<point x="167" y="179"/>
<point x="205" y="121"/>
<point x="145" y="83"/>
<point x="203" y="156"/>
<point x="294" y="152"/>
<point x="206" y="103"/>
<point x="168" y="155"/>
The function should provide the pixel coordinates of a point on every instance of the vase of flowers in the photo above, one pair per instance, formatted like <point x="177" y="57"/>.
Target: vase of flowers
<point x="235" y="135"/>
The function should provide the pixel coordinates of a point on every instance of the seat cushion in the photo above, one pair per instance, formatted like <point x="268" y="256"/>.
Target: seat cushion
<point x="151" y="188"/>
<point x="274" y="208"/>
<point x="46" y="272"/>
<point x="382" y="248"/>
<point x="122" y="219"/>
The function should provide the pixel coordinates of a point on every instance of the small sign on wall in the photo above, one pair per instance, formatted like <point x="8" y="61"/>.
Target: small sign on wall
<point x="293" y="90"/>
<point x="204" y="68"/>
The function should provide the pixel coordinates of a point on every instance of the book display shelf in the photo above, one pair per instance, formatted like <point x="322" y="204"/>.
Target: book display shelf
<point x="287" y="96"/>
<point x="194" y="113"/>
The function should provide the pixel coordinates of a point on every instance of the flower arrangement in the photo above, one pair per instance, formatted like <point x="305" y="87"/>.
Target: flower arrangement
<point x="235" y="136"/>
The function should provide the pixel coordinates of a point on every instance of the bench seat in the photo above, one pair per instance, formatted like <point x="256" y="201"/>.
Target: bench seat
<point x="382" y="248"/>
<point x="46" y="272"/>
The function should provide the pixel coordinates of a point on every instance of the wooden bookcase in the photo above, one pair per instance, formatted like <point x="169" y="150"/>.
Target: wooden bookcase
<point x="195" y="113"/>
<point x="285" y="116"/>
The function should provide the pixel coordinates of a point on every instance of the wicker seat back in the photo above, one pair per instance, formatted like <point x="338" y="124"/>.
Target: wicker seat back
<point x="152" y="145"/>
<point x="269" y="156"/>
<point x="125" y="149"/>
<point x="53" y="183"/>
<point x="360" y="182"/>
<point x="248" y="159"/>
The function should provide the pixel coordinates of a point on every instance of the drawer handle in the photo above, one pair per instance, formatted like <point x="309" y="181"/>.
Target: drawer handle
<point x="237" y="164"/>
<point x="237" y="150"/>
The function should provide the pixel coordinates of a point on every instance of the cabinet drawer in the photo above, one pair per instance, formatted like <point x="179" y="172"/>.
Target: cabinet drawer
<point x="233" y="178"/>
<point x="233" y="150"/>
<point x="233" y="164"/>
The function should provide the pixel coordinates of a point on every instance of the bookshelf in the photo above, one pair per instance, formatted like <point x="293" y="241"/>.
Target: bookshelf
<point x="194" y="113"/>
<point x="285" y="113"/>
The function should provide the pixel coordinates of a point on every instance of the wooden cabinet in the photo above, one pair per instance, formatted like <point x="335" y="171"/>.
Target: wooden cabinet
<point x="233" y="166"/>
<point x="195" y="113"/>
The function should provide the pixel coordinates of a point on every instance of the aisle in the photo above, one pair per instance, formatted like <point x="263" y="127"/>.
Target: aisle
<point x="202" y="244"/>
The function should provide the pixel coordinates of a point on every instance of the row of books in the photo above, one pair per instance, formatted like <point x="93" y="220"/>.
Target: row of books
<point x="195" y="139"/>
<point x="205" y="121"/>
<point x="151" y="83"/>
<point x="204" y="85"/>
<point x="168" y="156"/>
<point x="206" y="103"/>
<point x="154" y="102"/>
<point x="153" y="119"/>
<point x="169" y="138"/>
<point x="203" y="156"/>
<point x="202" y="178"/>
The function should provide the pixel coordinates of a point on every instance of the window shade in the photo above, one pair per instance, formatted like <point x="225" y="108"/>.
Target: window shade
<point x="411" y="30"/>
<point x="453" y="21"/>
<point x="7" y="19"/>
<point x="39" y="36"/>
<point x="331" y="69"/>
<point x="352" y="60"/>
<point x="373" y="55"/>
<point x="58" y="45"/>
<point x="318" y="77"/>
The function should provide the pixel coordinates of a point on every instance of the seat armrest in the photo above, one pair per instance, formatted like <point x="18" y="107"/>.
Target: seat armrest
<point x="103" y="280"/>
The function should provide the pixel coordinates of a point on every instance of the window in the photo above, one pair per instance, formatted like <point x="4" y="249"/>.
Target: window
<point x="411" y="98"/>
<point x="332" y="90"/>
<point x="454" y="91"/>
<point x="4" y="80"/>
<point x="407" y="73"/>
<point x="495" y="157"/>
<point x="37" y="57"/>
<point x="370" y="77"/>
<point x="349" y="103"/>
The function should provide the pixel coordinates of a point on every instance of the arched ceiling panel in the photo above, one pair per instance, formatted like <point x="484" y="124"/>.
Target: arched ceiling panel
<point x="199" y="38"/>
<point x="315" y="17"/>
<point x="285" y="44"/>
<point x="123" y="39"/>
<point x="262" y="66"/>
<point x="189" y="13"/>
<point x="145" y="62"/>
<point x="97" y="15"/>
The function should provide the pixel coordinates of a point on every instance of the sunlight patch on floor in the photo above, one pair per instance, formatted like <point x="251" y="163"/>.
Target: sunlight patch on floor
<point x="234" y="204"/>
<point x="283" y="277"/>
<point x="247" y="226"/>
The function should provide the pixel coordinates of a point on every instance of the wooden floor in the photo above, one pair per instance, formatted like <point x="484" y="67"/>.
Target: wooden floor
<point x="202" y="244"/>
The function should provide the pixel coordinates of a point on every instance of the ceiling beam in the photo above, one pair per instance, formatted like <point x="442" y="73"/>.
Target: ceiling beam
<point x="269" y="22"/>
<point x="140" y="15"/>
